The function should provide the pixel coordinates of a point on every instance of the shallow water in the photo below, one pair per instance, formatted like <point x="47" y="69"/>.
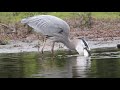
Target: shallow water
<point x="104" y="63"/>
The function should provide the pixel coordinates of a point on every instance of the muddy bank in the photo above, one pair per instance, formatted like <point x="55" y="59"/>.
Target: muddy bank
<point x="103" y="33"/>
<point x="19" y="46"/>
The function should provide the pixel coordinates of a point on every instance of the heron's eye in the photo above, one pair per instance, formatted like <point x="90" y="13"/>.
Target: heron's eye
<point x="60" y="31"/>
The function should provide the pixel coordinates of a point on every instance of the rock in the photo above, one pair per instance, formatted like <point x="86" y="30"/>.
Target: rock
<point x="118" y="46"/>
<point x="3" y="42"/>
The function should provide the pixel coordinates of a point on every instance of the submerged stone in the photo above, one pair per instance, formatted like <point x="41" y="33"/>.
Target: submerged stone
<point x="118" y="46"/>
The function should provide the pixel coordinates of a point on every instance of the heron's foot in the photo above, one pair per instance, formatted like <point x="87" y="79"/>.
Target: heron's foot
<point x="52" y="52"/>
<point x="38" y="50"/>
<point x="42" y="52"/>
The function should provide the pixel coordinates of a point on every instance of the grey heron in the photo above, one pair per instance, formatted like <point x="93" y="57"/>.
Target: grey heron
<point x="58" y="30"/>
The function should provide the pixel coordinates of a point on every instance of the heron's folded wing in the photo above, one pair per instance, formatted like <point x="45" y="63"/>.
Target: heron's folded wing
<point x="47" y="25"/>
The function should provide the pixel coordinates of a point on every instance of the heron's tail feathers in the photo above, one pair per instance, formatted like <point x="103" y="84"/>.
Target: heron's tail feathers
<point x="24" y="20"/>
<point x="28" y="19"/>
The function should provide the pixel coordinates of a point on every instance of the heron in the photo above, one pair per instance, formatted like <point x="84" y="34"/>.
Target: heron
<point x="58" y="30"/>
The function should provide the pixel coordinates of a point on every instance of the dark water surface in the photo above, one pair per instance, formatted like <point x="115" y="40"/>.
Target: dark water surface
<point x="104" y="63"/>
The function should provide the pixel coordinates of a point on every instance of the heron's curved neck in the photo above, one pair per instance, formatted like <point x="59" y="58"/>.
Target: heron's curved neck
<point x="69" y="43"/>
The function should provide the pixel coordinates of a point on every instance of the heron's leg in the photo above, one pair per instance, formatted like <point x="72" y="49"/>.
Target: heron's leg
<point x="53" y="47"/>
<point x="38" y="43"/>
<point x="44" y="42"/>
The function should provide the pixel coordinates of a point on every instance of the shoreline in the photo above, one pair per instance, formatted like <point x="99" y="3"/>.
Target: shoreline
<point x="19" y="46"/>
<point x="102" y="34"/>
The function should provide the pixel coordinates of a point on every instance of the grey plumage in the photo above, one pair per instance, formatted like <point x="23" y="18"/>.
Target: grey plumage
<point x="55" y="28"/>
<point x="47" y="24"/>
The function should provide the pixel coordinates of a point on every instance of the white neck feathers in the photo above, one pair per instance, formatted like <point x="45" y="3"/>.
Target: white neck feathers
<point x="78" y="45"/>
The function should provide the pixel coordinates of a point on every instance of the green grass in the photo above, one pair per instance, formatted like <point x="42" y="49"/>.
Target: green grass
<point x="106" y="15"/>
<point x="12" y="17"/>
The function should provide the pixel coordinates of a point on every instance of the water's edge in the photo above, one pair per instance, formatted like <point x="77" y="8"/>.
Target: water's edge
<point x="19" y="46"/>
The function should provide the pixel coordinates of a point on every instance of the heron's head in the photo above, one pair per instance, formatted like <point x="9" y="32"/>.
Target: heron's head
<point x="82" y="47"/>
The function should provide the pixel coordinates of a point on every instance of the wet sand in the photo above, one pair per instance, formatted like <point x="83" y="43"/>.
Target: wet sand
<point x="19" y="46"/>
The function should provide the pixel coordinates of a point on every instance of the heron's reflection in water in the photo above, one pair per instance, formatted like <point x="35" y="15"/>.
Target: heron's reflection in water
<point x="81" y="66"/>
